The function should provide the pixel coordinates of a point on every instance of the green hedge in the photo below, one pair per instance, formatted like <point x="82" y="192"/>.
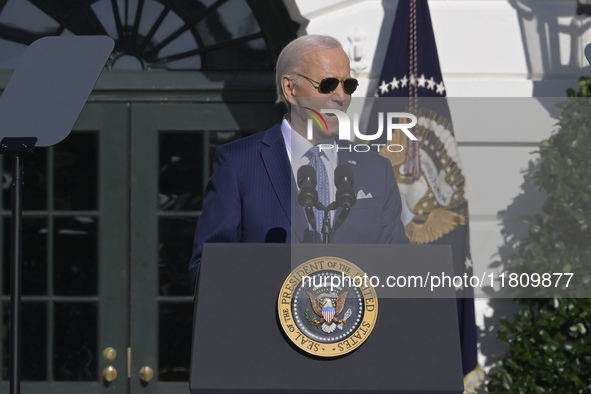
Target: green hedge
<point x="549" y="340"/>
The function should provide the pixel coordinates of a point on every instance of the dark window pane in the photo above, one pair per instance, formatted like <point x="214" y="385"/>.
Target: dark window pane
<point x="33" y="341"/>
<point x="127" y="62"/>
<point x="176" y="240"/>
<point x="34" y="179"/>
<point x="60" y="8"/>
<point x="34" y="252"/>
<point x="76" y="169"/>
<point x="75" y="343"/>
<point x="250" y="55"/>
<point x="150" y="13"/>
<point x="75" y="257"/>
<point x="192" y="9"/>
<point x="169" y="25"/>
<point x="233" y="19"/>
<point x="183" y="43"/>
<point x="181" y="171"/>
<point x="18" y="14"/>
<point x="11" y="53"/>
<point x="104" y="12"/>
<point x="128" y="8"/>
<point x="83" y="23"/>
<point x="174" y="342"/>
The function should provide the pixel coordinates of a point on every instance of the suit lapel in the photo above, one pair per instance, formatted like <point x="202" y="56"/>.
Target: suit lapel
<point x="299" y="223"/>
<point x="274" y="156"/>
<point x="276" y="162"/>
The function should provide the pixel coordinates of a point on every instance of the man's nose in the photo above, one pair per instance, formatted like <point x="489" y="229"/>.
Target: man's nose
<point x="339" y="95"/>
<point x="340" y="90"/>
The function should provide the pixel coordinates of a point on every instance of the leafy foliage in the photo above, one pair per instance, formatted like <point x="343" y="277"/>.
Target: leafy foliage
<point x="310" y="317"/>
<point x="549" y="340"/>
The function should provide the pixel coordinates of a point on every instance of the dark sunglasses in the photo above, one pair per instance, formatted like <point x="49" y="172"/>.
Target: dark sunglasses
<point x="328" y="85"/>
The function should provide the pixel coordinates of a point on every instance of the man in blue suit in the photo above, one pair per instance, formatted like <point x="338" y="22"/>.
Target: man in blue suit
<point x="252" y="194"/>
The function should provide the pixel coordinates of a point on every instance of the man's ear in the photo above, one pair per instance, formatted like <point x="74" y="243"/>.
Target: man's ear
<point x="287" y="85"/>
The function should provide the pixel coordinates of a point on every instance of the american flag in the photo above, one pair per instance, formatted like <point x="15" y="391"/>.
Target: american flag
<point x="435" y="209"/>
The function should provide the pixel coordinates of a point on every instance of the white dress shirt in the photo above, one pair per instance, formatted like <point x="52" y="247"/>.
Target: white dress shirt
<point x="297" y="146"/>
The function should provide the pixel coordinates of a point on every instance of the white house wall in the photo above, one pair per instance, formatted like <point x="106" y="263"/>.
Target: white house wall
<point x="487" y="48"/>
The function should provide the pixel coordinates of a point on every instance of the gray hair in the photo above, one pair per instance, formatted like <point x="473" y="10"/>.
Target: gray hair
<point x="290" y="58"/>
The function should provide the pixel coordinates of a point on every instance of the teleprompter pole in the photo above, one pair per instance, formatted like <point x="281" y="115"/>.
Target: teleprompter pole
<point x="39" y="107"/>
<point x="16" y="276"/>
<point x="17" y="148"/>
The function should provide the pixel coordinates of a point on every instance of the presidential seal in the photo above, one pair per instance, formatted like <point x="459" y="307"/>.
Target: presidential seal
<point x="327" y="307"/>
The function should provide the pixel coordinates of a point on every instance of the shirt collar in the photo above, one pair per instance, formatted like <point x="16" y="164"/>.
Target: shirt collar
<point x="297" y="146"/>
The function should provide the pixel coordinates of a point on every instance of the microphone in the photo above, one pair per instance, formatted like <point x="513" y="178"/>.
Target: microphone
<point x="344" y="181"/>
<point x="308" y="195"/>
<point x="345" y="196"/>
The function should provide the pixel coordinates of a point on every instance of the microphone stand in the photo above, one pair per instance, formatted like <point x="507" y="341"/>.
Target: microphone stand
<point x="326" y="238"/>
<point x="308" y="198"/>
<point x="326" y="231"/>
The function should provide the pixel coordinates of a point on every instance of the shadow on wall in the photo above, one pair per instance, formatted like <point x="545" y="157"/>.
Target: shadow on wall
<point x="528" y="202"/>
<point x="553" y="43"/>
<point x="379" y="55"/>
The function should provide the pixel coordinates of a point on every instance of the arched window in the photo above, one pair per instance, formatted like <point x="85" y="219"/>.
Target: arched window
<point x="225" y="35"/>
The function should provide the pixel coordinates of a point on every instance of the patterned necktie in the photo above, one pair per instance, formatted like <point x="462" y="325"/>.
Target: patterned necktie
<point x="322" y="183"/>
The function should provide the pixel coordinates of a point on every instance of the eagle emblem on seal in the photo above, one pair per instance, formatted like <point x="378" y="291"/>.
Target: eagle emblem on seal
<point x="328" y="306"/>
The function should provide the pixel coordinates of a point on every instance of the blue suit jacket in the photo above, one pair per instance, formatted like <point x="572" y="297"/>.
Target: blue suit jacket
<point x="252" y="197"/>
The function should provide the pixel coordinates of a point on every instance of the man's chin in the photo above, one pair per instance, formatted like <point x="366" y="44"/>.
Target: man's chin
<point x="333" y="125"/>
<point x="329" y="135"/>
